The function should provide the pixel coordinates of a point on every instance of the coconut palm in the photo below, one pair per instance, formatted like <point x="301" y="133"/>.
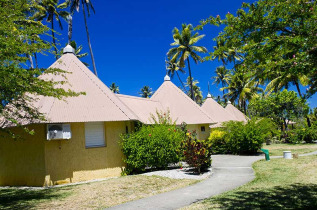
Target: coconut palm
<point x="74" y="5"/>
<point x="114" y="88"/>
<point x="185" y="48"/>
<point x="222" y="76"/>
<point x="50" y="10"/>
<point x="173" y="68"/>
<point x="146" y="92"/>
<point x="198" y="96"/>
<point x="242" y="87"/>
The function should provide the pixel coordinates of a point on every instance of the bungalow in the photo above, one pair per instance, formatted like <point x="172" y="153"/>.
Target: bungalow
<point x="80" y="140"/>
<point x="170" y="98"/>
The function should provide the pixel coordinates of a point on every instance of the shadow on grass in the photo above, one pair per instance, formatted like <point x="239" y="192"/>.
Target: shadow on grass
<point x="297" y="196"/>
<point x="11" y="198"/>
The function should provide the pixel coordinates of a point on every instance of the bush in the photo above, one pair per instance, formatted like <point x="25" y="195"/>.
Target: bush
<point x="217" y="141"/>
<point x="196" y="152"/>
<point x="153" y="146"/>
<point x="248" y="138"/>
<point x="307" y="134"/>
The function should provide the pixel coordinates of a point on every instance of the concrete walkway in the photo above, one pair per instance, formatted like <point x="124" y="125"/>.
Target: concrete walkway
<point x="229" y="172"/>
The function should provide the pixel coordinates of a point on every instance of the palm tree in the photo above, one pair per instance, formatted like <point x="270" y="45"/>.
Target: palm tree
<point x="198" y="96"/>
<point x="74" y="5"/>
<point x="242" y="87"/>
<point x="219" y="52"/>
<point x="173" y="68"/>
<point x="222" y="76"/>
<point x="78" y="52"/>
<point x="114" y="88"/>
<point x="185" y="47"/>
<point x="146" y="92"/>
<point x="50" y="9"/>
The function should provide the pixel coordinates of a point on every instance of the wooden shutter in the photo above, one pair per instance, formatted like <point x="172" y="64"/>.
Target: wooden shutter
<point x="95" y="134"/>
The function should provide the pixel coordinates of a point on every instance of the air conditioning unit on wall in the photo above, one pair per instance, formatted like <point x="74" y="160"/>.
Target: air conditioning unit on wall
<point x="58" y="131"/>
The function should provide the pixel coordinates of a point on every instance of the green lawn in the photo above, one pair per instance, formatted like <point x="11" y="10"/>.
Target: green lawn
<point x="277" y="149"/>
<point x="95" y="195"/>
<point x="279" y="184"/>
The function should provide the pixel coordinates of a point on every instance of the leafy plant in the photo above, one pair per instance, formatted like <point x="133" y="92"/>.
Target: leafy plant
<point x="217" y="141"/>
<point x="196" y="152"/>
<point x="152" y="146"/>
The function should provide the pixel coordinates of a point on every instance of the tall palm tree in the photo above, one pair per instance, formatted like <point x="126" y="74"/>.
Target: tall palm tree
<point x="198" y="96"/>
<point x="219" y="52"/>
<point x="222" y="76"/>
<point x="185" y="48"/>
<point x="74" y="5"/>
<point x="242" y="87"/>
<point x="50" y="9"/>
<point x="114" y="88"/>
<point x="146" y="92"/>
<point x="173" y="68"/>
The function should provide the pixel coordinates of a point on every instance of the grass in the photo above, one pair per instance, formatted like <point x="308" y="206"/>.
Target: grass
<point x="89" y="196"/>
<point x="279" y="184"/>
<point x="277" y="149"/>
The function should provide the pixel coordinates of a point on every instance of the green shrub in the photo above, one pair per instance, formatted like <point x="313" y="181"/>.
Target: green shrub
<point x="153" y="146"/>
<point x="298" y="135"/>
<point x="217" y="141"/>
<point x="196" y="152"/>
<point x="248" y="138"/>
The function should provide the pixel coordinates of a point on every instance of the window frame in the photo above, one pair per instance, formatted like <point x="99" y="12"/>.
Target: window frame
<point x="104" y="136"/>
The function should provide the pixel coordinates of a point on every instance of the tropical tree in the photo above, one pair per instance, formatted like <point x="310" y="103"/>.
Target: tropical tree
<point x="50" y="10"/>
<point x="242" y="87"/>
<point x="173" y="68"/>
<point x="278" y="38"/>
<point x="114" y="88"/>
<point x="185" y="48"/>
<point x="146" y="92"/>
<point x="281" y="106"/>
<point x="20" y="37"/>
<point x="74" y="5"/>
<point x="222" y="76"/>
<point x="198" y="96"/>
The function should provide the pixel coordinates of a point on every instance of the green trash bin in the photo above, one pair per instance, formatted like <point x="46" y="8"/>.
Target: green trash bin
<point x="267" y="155"/>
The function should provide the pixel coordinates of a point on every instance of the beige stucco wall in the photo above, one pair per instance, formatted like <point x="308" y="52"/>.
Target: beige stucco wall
<point x="22" y="162"/>
<point x="38" y="162"/>
<point x="200" y="135"/>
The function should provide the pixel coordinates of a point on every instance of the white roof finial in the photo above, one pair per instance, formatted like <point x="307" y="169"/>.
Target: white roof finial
<point x="167" y="78"/>
<point x="68" y="49"/>
<point x="208" y="95"/>
<point x="228" y="102"/>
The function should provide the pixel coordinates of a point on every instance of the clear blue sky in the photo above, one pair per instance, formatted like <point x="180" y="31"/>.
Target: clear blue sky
<point x="130" y="40"/>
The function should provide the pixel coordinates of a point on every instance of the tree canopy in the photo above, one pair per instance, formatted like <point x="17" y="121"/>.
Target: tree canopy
<point x="21" y="37"/>
<point x="272" y="39"/>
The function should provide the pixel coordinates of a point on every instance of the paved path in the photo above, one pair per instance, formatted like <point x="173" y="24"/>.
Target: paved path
<point x="229" y="172"/>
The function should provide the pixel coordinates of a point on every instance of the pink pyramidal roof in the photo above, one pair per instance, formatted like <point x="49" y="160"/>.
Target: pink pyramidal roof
<point x="216" y="111"/>
<point x="181" y="107"/>
<point x="236" y="112"/>
<point x="99" y="103"/>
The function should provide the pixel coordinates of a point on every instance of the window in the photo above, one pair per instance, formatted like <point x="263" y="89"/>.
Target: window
<point x="95" y="134"/>
<point x="202" y="128"/>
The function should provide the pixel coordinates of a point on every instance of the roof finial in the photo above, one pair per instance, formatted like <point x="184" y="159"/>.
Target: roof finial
<point x="167" y="78"/>
<point x="68" y="49"/>
<point x="208" y="95"/>
<point x="228" y="102"/>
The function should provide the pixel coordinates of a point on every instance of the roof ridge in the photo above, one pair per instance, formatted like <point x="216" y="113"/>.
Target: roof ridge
<point x="104" y="91"/>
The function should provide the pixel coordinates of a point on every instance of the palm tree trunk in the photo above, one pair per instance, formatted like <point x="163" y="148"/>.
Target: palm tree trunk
<point x="245" y="107"/>
<point x="181" y="81"/>
<point x="31" y="61"/>
<point x="191" y="81"/>
<point x="300" y="95"/>
<point x="90" y="49"/>
<point x="70" y="28"/>
<point x="53" y="36"/>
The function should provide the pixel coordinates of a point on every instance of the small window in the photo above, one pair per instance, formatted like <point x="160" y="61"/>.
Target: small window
<point x="95" y="134"/>
<point x="202" y="128"/>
